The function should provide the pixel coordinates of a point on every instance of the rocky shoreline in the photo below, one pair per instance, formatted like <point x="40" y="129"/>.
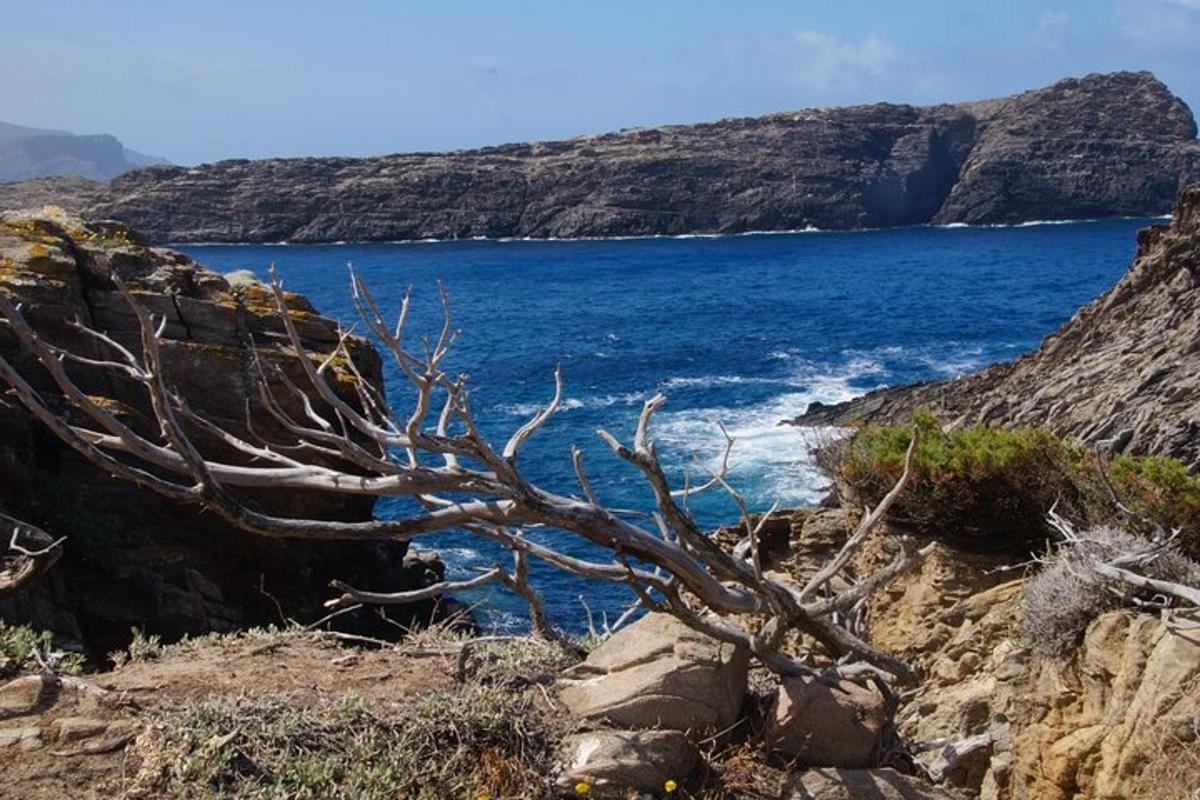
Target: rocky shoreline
<point x="1121" y="374"/>
<point x="1099" y="146"/>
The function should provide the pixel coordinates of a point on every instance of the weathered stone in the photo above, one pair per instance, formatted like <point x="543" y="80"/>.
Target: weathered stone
<point x="828" y="726"/>
<point x="22" y="695"/>
<point x="659" y="673"/>
<point x="1102" y="145"/>
<point x="614" y="762"/>
<point x="21" y="738"/>
<point x="72" y="729"/>
<point x="131" y="558"/>
<point x="860" y="784"/>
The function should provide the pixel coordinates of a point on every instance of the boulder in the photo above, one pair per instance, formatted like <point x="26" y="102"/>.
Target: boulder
<point x="828" y="726"/>
<point x="659" y="673"/>
<point x="612" y="763"/>
<point x="860" y="784"/>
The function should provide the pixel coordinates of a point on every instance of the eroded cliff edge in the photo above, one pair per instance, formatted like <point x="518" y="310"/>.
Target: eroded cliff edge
<point x="1122" y="373"/>
<point x="1103" y="145"/>
<point x="129" y="557"/>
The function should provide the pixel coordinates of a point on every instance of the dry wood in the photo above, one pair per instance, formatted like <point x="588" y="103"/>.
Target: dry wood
<point x="436" y="455"/>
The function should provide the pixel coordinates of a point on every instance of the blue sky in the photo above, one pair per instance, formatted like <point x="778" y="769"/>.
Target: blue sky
<point x="198" y="82"/>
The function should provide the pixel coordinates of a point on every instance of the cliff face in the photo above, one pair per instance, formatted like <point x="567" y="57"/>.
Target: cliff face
<point x="1121" y="373"/>
<point x="1103" y="145"/>
<point x="130" y="557"/>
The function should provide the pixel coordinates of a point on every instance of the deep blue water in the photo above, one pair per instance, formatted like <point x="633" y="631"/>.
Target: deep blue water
<point x="745" y="330"/>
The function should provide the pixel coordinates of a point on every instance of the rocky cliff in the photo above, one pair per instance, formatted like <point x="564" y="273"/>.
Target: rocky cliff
<point x="131" y="558"/>
<point x="1103" y="145"/>
<point x="1121" y="373"/>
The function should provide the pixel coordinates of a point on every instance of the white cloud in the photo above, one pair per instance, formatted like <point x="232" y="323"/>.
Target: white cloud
<point x="1049" y="20"/>
<point x="1159" y="24"/>
<point x="1048" y="26"/>
<point x="820" y="60"/>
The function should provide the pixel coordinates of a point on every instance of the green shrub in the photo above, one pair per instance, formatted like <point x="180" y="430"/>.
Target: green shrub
<point x="995" y="485"/>
<point x="22" y="649"/>
<point x="1162" y="490"/>
<point x="983" y="483"/>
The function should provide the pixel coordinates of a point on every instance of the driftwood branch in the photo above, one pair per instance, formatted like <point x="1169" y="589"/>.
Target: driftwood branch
<point x="30" y="552"/>
<point x="340" y="440"/>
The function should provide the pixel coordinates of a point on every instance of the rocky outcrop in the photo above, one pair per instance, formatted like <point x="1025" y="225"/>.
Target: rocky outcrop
<point x="989" y="717"/>
<point x="131" y="558"/>
<point x="659" y="673"/>
<point x="1121" y="373"/>
<point x="1103" y="145"/>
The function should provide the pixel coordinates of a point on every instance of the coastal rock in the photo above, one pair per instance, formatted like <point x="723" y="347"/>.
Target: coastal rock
<point x="860" y="784"/>
<point x="1121" y="374"/>
<point x="1102" y="145"/>
<point x="612" y="763"/>
<point x="1112" y="720"/>
<point x="130" y="558"/>
<point x="659" y="673"/>
<point x="828" y="726"/>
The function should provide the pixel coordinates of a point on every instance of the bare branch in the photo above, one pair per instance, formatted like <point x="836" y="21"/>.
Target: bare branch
<point x="443" y="462"/>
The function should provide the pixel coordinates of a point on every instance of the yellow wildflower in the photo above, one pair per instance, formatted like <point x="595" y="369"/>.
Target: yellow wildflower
<point x="582" y="789"/>
<point x="670" y="786"/>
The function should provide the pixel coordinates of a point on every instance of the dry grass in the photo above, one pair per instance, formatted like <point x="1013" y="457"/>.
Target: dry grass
<point x="1066" y="595"/>
<point x="488" y="733"/>
<point x="467" y="741"/>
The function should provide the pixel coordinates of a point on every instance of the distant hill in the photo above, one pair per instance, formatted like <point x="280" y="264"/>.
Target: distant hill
<point x="1098" y="146"/>
<point x="38" y="153"/>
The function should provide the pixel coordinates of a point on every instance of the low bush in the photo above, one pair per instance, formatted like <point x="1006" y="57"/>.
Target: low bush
<point x="994" y="486"/>
<point x="1063" y="598"/>
<point x="22" y="649"/>
<point x="1162" y="490"/>
<point x="983" y="483"/>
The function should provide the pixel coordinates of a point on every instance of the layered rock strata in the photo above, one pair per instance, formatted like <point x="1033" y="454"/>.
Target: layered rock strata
<point x="1102" y="145"/>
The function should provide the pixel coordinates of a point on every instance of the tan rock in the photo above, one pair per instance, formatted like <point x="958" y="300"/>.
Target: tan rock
<point x="22" y="695"/>
<point x="73" y="729"/>
<point x="21" y="738"/>
<point x="659" y="673"/>
<point x="822" y="725"/>
<point x="1117" y="719"/>
<point x="860" y="784"/>
<point x="612" y="763"/>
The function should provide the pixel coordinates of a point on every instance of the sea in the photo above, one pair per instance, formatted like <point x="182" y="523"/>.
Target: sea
<point x="742" y="331"/>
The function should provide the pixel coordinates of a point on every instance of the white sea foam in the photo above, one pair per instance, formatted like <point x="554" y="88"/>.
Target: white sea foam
<point x="709" y="381"/>
<point x="788" y="232"/>
<point x="573" y="403"/>
<point x="769" y="461"/>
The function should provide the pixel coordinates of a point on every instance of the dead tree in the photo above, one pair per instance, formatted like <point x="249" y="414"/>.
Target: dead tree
<point x="436" y="455"/>
<point x="30" y="552"/>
